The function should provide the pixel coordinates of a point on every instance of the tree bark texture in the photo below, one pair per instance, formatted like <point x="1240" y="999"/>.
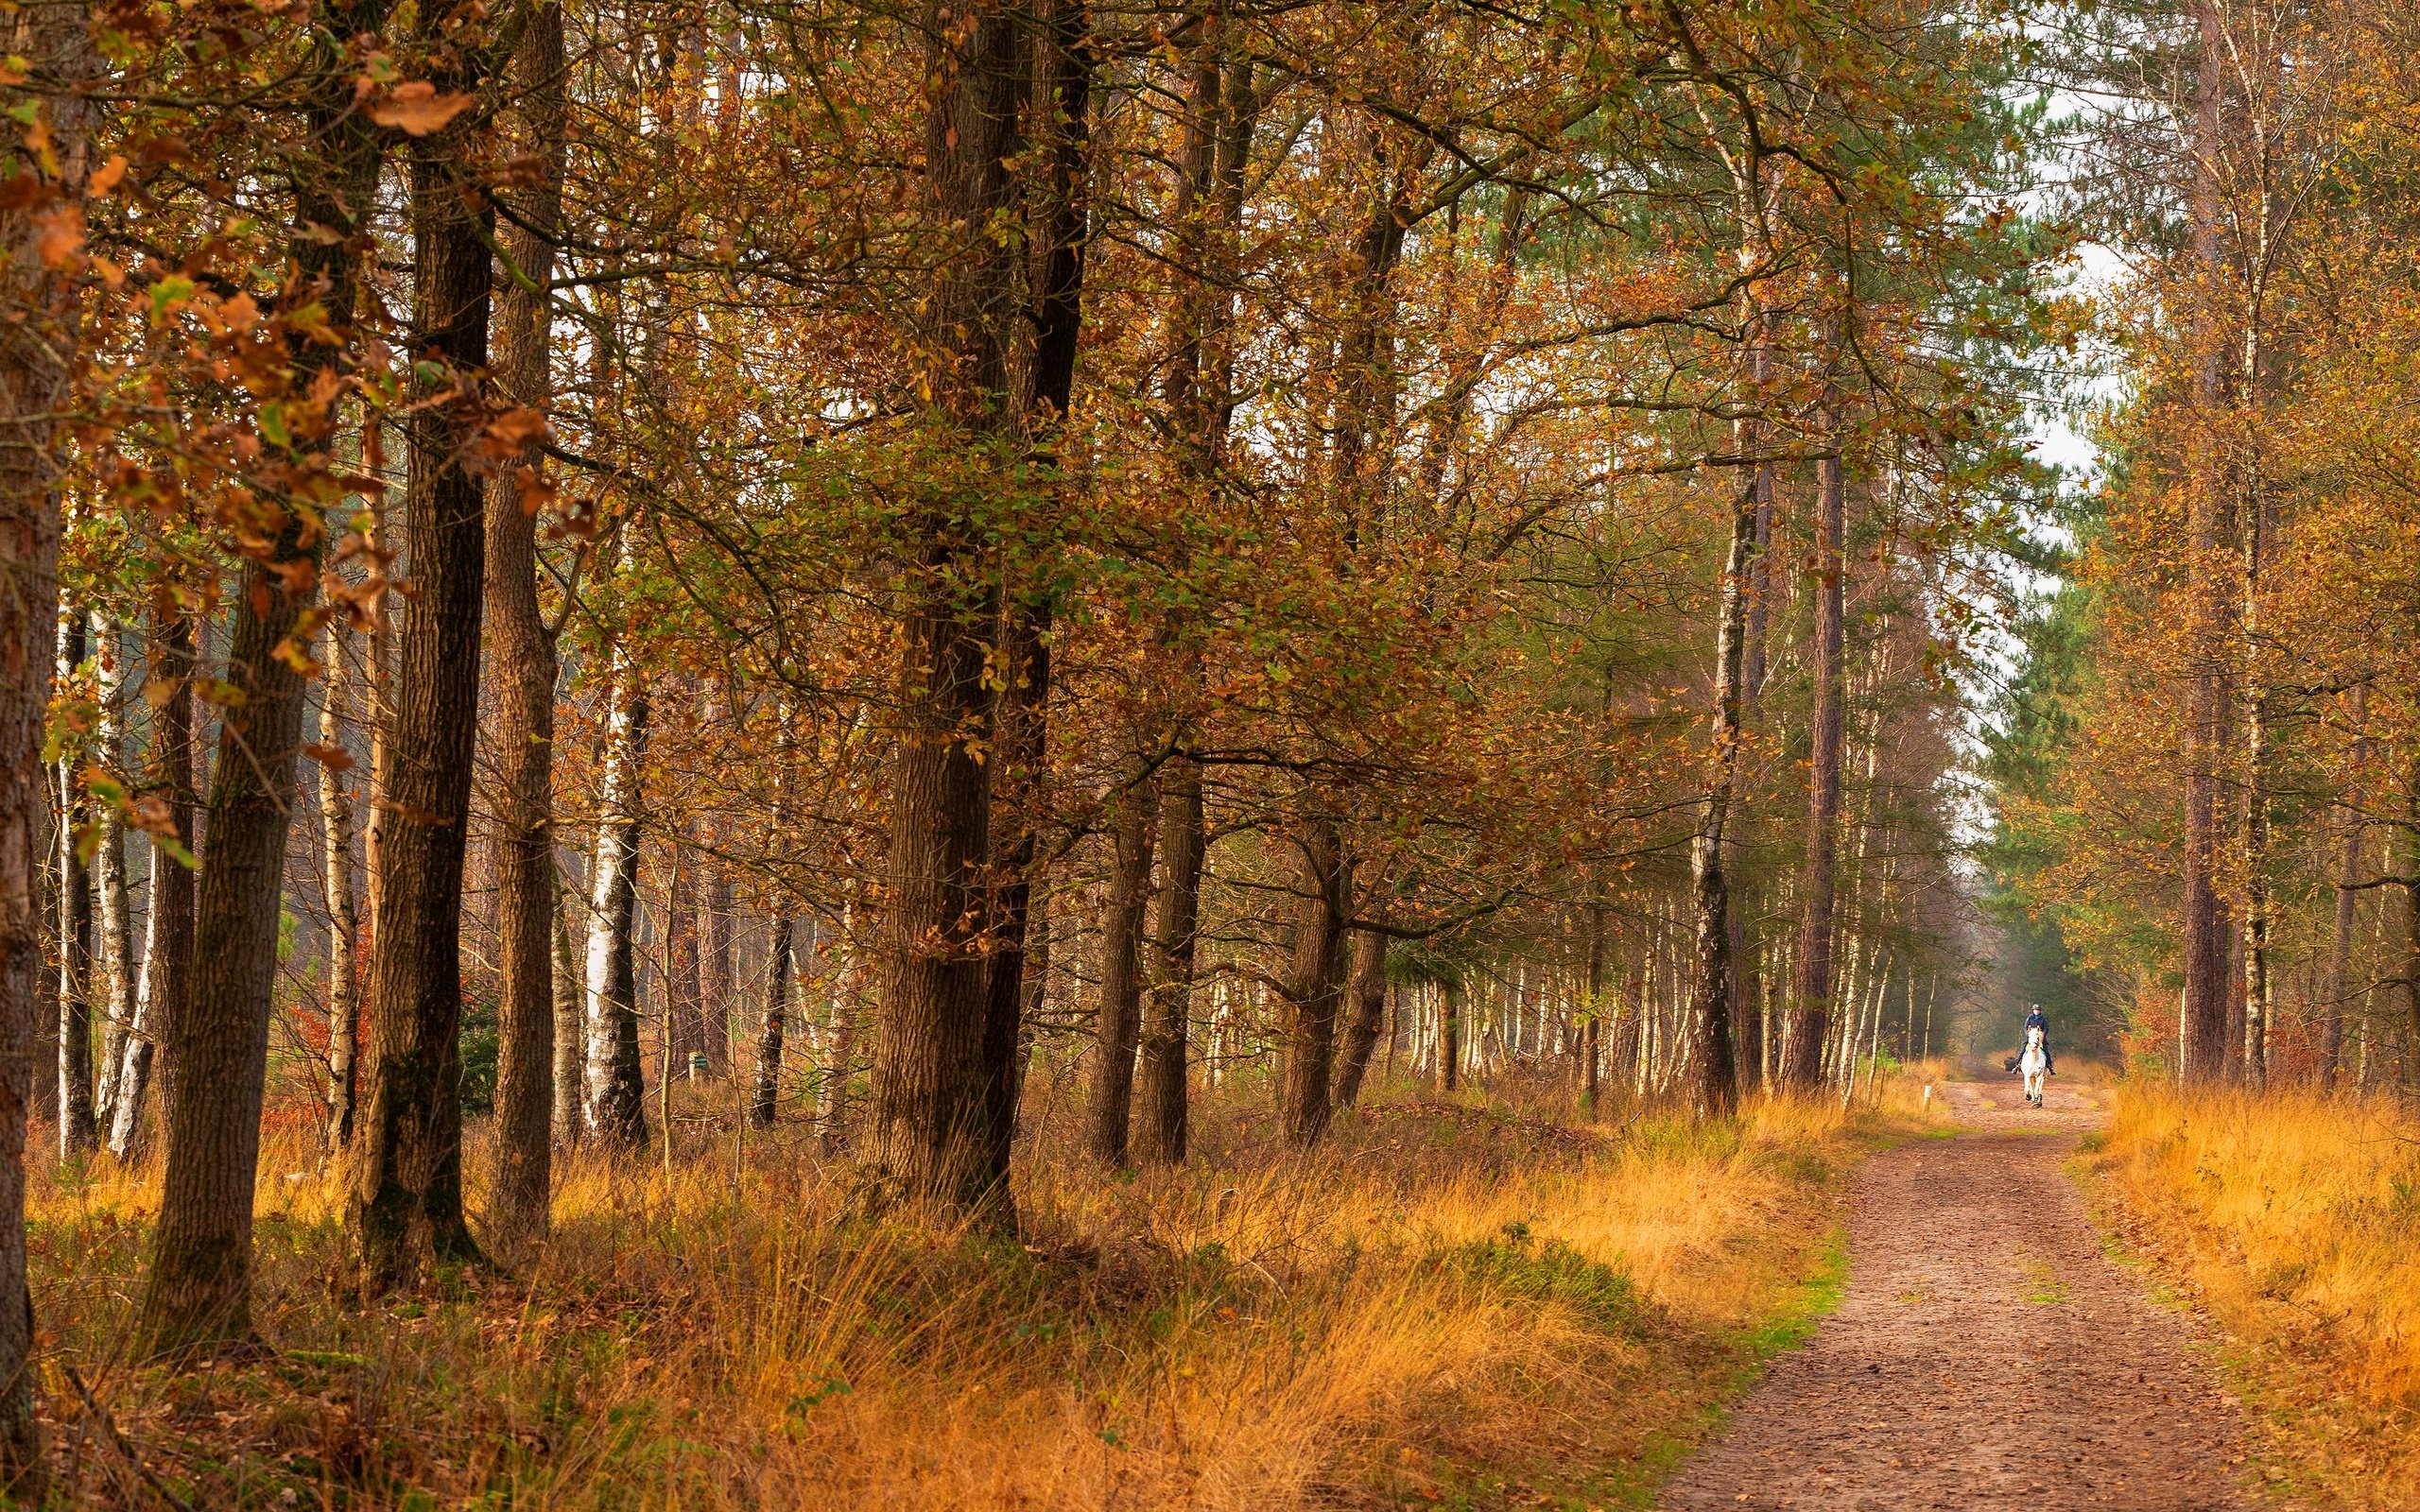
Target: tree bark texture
<point x="1366" y="1001"/>
<point x="840" y="1052"/>
<point x="1165" y="1118"/>
<point x="168" y="926"/>
<point x="1020" y="725"/>
<point x="521" y="689"/>
<point x="714" y="964"/>
<point x="614" y="1104"/>
<point x="344" y="918"/>
<point x="197" y="1295"/>
<point x="38" y="354"/>
<point x="771" y="1025"/>
<point x="1117" y="1030"/>
<point x="685" y="1013"/>
<point x="2348" y="874"/>
<point x="1810" y="997"/>
<point x="2203" y="1050"/>
<point x="115" y="994"/>
<point x="1323" y="916"/>
<point x="931" y="1130"/>
<point x="77" y="1134"/>
<point x="571" y="1036"/>
<point x="406" y="1179"/>
<point x="1449" y="1036"/>
<point x="1709" y="1027"/>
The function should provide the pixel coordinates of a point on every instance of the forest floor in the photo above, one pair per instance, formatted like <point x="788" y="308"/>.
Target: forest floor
<point x="1474" y="1304"/>
<point x="1988" y="1349"/>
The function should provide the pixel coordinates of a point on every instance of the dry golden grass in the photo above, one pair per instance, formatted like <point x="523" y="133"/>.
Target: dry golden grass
<point x="2296" y="1221"/>
<point x="1450" y="1304"/>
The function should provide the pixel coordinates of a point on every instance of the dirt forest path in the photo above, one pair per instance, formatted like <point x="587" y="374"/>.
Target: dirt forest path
<point x="1986" y="1353"/>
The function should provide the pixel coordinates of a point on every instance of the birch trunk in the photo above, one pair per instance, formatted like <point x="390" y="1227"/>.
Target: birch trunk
<point x="168" y="926"/>
<point x="77" y="1131"/>
<point x="116" y="915"/>
<point x="344" y="923"/>
<point x="614" y="1109"/>
<point x="1811" y="992"/>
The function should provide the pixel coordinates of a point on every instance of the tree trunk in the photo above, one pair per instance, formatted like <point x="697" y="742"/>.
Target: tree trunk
<point x="614" y="1104"/>
<point x="1323" y="916"/>
<point x="1709" y="1026"/>
<point x="1166" y="1113"/>
<point x="407" y="1197"/>
<point x="344" y="923"/>
<point x="684" y="1014"/>
<point x="78" y="1133"/>
<point x="571" y="1035"/>
<point x="37" y="355"/>
<point x="1020" y="720"/>
<point x="116" y="917"/>
<point x="198" y="1293"/>
<point x="2205" y="1046"/>
<point x="840" y="1052"/>
<point x="2257" y="984"/>
<point x="1366" y="994"/>
<point x="933" y="1130"/>
<point x="714" y="966"/>
<point x="1601" y="1001"/>
<point x="167" y="927"/>
<point x="197" y="1296"/>
<point x="770" y="1023"/>
<point x="1020" y="713"/>
<point x="1810" y="1003"/>
<point x="1117" y="1031"/>
<point x="521" y="707"/>
<point x="2340" y="943"/>
<point x="1449" y="1036"/>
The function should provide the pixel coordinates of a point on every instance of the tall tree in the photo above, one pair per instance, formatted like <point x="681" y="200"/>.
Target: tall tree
<point x="77" y="1132"/>
<point x="1117" y="1026"/>
<point x="1366" y="1003"/>
<point x="197" y="1296"/>
<point x="2203" y="1043"/>
<point x="614" y="1103"/>
<point x="771" y="1022"/>
<point x="932" y="1127"/>
<point x="167" y="926"/>
<point x="406" y="1175"/>
<point x="521" y="690"/>
<point x="1811" y="992"/>
<point x="336" y="874"/>
<point x="1315" y="985"/>
<point x="1165" y="1116"/>
<point x="39" y="236"/>
<point x="113" y="909"/>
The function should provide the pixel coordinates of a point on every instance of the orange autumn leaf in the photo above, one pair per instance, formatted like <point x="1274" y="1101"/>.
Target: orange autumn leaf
<point x="417" y="110"/>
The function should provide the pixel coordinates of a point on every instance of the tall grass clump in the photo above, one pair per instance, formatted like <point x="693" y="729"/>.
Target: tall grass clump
<point x="1450" y="1300"/>
<point x="2295" y="1220"/>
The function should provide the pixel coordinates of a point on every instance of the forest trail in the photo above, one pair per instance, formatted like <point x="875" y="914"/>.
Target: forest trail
<point x="1986" y="1353"/>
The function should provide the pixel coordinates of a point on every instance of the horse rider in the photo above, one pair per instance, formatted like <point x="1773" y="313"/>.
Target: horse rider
<point x="2038" y="1020"/>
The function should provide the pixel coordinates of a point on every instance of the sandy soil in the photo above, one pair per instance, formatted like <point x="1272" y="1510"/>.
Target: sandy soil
<point x="1986" y="1353"/>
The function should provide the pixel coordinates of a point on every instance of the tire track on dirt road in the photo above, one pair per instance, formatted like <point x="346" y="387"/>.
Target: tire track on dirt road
<point x="1986" y="1353"/>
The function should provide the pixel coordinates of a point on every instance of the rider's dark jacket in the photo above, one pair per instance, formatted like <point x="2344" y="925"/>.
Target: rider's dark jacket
<point x="2039" y="1019"/>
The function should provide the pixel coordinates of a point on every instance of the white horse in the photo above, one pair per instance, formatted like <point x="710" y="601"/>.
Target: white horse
<point x="2035" y="1064"/>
